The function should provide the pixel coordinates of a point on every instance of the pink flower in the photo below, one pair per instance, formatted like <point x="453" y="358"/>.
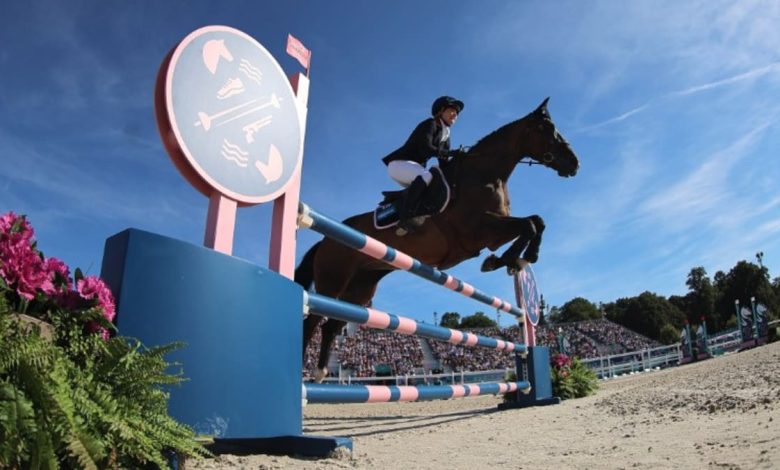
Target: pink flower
<point x="92" y="287"/>
<point x="24" y="228"/>
<point x="21" y="265"/>
<point x="561" y="360"/>
<point x="58" y="274"/>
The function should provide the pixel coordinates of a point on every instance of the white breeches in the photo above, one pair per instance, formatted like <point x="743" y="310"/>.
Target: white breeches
<point x="405" y="171"/>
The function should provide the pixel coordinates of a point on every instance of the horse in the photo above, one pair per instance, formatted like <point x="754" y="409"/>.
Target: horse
<point x="478" y="217"/>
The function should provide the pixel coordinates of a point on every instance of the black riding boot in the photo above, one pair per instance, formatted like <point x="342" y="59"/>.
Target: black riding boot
<point x="409" y="204"/>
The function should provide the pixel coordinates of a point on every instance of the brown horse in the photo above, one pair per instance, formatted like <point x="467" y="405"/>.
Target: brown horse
<point x="477" y="218"/>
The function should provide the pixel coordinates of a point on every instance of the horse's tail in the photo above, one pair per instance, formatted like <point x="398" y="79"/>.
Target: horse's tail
<point x="304" y="273"/>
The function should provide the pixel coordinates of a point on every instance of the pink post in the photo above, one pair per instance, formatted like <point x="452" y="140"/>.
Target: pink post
<point x="530" y="334"/>
<point x="220" y="223"/>
<point x="282" y="245"/>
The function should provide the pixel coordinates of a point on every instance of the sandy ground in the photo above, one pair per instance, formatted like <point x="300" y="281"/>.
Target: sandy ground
<point x="722" y="413"/>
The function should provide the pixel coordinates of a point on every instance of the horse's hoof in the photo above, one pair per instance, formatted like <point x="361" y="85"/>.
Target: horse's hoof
<point x="491" y="263"/>
<point x="516" y="266"/>
<point x="320" y="375"/>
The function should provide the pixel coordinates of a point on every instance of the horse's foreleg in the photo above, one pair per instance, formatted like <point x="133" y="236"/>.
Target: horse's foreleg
<point x="527" y="235"/>
<point x="330" y="329"/>
<point x="532" y="251"/>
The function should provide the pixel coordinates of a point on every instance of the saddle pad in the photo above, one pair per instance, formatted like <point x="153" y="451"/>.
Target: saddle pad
<point x="434" y="200"/>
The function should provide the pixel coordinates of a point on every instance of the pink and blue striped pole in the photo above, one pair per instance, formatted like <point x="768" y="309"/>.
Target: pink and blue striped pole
<point x="309" y="218"/>
<point x="332" y="393"/>
<point x="373" y="318"/>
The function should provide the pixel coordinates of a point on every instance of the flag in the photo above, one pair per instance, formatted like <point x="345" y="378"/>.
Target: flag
<point x="296" y="49"/>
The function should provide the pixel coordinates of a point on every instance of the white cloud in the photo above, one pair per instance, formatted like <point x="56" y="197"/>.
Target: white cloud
<point x="702" y="194"/>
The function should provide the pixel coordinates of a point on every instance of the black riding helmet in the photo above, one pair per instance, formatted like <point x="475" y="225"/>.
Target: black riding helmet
<point x="444" y="102"/>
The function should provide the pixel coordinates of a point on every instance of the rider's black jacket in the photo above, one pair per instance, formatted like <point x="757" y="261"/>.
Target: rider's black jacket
<point x="424" y="142"/>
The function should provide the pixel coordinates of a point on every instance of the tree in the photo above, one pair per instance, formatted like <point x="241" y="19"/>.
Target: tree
<point x="555" y="314"/>
<point x="646" y="314"/>
<point x="681" y="302"/>
<point x="478" y="320"/>
<point x="669" y="334"/>
<point x="701" y="296"/>
<point x="450" y="320"/>
<point x="579" y="309"/>
<point x="745" y="280"/>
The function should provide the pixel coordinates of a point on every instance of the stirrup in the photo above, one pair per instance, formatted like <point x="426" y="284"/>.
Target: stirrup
<point x="404" y="227"/>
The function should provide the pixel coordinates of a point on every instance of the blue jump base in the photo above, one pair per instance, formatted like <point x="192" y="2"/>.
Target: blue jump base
<point x="242" y="326"/>
<point x="534" y="369"/>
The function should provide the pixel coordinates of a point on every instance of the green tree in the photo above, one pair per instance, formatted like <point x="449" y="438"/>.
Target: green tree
<point x="478" y="320"/>
<point x="579" y="309"/>
<point x="450" y="320"/>
<point x="555" y="314"/>
<point x="701" y="296"/>
<point x="745" y="280"/>
<point x="682" y="302"/>
<point x="669" y="334"/>
<point x="646" y="314"/>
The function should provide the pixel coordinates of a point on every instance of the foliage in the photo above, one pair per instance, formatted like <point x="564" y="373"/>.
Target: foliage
<point x="578" y="309"/>
<point x="478" y="320"/>
<point x="709" y="300"/>
<point x="646" y="314"/>
<point x="450" y="320"/>
<point x="743" y="281"/>
<point x="571" y="378"/>
<point x="701" y="296"/>
<point x="669" y="334"/>
<point x="79" y="399"/>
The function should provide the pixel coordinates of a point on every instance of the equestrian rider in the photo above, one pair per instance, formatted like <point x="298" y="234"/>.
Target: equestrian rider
<point x="431" y="138"/>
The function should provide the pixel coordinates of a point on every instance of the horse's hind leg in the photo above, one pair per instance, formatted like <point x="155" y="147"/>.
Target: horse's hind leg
<point x="527" y="235"/>
<point x="360" y="291"/>
<point x="310" y="325"/>
<point x="330" y="329"/>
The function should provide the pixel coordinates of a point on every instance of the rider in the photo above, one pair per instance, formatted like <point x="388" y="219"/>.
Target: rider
<point x="431" y="138"/>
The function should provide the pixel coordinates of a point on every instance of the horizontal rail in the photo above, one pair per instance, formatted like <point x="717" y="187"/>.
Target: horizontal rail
<point x="332" y="308"/>
<point x="327" y="393"/>
<point x="309" y="218"/>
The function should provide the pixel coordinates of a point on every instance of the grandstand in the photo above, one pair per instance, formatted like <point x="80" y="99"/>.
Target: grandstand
<point x="362" y="352"/>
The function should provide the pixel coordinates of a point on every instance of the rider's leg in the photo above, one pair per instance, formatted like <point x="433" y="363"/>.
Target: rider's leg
<point x="409" y="203"/>
<point x="417" y="178"/>
<point x="404" y="172"/>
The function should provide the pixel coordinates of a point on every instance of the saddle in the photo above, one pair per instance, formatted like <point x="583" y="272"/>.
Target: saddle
<point x="434" y="200"/>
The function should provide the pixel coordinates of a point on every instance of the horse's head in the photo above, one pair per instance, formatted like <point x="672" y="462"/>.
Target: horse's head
<point x="542" y="142"/>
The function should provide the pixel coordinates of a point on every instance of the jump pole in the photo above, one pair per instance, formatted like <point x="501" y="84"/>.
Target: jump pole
<point x="532" y="365"/>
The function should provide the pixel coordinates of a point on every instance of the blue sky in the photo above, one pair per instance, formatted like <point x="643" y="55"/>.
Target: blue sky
<point x="671" y="106"/>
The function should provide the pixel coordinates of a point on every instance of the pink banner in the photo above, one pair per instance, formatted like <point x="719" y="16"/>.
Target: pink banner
<point x="296" y="49"/>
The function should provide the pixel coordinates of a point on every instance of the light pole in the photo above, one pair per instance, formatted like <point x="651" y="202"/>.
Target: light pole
<point x="760" y="258"/>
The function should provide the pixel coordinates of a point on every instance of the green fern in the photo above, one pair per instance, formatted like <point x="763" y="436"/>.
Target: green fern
<point x="81" y="402"/>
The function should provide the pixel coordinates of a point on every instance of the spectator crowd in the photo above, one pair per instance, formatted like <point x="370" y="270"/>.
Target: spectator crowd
<point x="366" y="351"/>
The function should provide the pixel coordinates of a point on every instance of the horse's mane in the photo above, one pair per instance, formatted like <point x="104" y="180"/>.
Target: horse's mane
<point x="495" y="134"/>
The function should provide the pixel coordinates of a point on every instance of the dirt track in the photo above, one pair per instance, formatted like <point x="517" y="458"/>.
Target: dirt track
<point x="721" y="413"/>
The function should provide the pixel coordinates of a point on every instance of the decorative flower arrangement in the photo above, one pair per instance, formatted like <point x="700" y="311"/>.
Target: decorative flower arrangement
<point x="71" y="398"/>
<point x="37" y="285"/>
<point x="570" y="377"/>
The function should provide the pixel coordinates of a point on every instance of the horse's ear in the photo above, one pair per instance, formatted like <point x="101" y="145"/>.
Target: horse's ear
<point x="543" y="107"/>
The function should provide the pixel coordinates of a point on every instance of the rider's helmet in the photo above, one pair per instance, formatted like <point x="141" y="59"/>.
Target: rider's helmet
<point x="444" y="102"/>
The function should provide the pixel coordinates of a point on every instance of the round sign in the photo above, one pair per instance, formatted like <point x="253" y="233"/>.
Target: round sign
<point x="529" y="294"/>
<point x="228" y="116"/>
